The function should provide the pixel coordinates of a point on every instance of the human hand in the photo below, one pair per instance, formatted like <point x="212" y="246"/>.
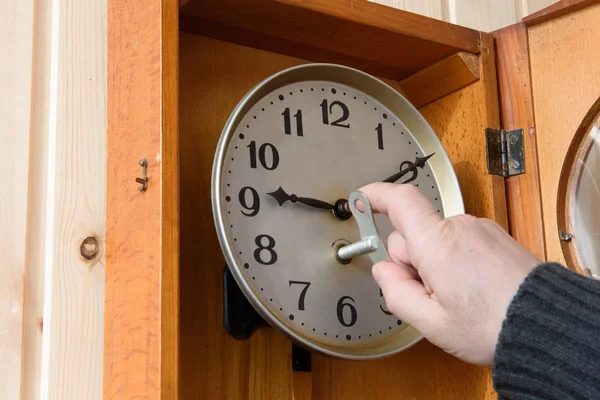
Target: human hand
<point x="470" y="270"/>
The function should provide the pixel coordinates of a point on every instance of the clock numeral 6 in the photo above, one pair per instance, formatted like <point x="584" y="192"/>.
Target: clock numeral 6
<point x="287" y="123"/>
<point x="262" y="156"/>
<point x="340" y="311"/>
<point x="386" y="312"/>
<point x="302" y="294"/>
<point x="262" y="249"/>
<point x="254" y="207"/>
<point x="329" y="110"/>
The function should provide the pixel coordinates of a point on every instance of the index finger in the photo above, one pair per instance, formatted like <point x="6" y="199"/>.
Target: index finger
<point x="407" y="207"/>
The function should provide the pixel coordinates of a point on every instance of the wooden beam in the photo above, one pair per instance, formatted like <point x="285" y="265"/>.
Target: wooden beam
<point x="441" y="79"/>
<point x="381" y="40"/>
<point x="16" y="34"/>
<point x="490" y="83"/>
<point x="556" y="10"/>
<point x="142" y="234"/>
<point x="516" y="99"/>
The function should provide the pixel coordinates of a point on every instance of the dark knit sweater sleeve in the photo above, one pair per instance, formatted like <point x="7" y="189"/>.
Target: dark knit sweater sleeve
<point x="549" y="346"/>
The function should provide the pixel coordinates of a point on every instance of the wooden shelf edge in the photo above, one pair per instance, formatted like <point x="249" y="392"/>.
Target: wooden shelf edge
<point x="441" y="79"/>
<point x="556" y="10"/>
<point x="516" y="102"/>
<point x="377" y="39"/>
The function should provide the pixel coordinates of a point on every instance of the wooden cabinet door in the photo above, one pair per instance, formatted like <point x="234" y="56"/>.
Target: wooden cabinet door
<point x="142" y="243"/>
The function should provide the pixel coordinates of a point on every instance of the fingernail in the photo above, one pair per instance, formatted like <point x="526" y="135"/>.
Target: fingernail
<point x="377" y="274"/>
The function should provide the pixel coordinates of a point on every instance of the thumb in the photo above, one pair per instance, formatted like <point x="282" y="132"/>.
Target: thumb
<point x="404" y="295"/>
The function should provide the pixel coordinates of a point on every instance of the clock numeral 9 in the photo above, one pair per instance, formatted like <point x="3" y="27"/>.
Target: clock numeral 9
<point x="379" y="131"/>
<point x="287" y="123"/>
<point x="329" y="110"/>
<point x="262" y="249"/>
<point x="386" y="312"/>
<point x="262" y="156"/>
<point x="340" y="311"/>
<point x="254" y="207"/>
<point x="302" y="294"/>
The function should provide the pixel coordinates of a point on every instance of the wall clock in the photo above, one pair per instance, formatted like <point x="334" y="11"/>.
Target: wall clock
<point x="290" y="154"/>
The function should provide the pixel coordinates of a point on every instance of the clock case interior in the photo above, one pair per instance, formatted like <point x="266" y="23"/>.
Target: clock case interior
<point x="462" y="81"/>
<point x="225" y="50"/>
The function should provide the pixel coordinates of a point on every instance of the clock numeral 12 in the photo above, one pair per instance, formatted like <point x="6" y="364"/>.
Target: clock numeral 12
<point x="302" y="294"/>
<point x="287" y="123"/>
<point x="379" y="131"/>
<point x="329" y="110"/>
<point x="262" y="156"/>
<point x="340" y="311"/>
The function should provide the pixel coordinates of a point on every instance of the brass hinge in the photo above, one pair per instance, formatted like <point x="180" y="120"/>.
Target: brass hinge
<point x="505" y="152"/>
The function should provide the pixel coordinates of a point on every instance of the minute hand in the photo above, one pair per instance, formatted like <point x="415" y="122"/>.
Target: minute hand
<point x="408" y="167"/>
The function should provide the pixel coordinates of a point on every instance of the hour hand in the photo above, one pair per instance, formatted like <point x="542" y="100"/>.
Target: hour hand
<point x="282" y="197"/>
<point x="409" y="167"/>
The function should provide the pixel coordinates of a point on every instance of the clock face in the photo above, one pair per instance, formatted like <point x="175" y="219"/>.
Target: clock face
<point x="292" y="142"/>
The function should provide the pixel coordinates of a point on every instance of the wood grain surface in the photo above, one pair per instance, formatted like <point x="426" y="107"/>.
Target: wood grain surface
<point x="523" y="191"/>
<point x="564" y="71"/>
<point x="16" y="78"/>
<point x="141" y="318"/>
<point x="214" y="76"/>
<point x="441" y="79"/>
<point x="557" y="10"/>
<point x="357" y="33"/>
<point x="74" y="286"/>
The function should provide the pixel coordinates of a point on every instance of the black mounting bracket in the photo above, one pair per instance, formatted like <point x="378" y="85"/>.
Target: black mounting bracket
<point x="241" y="320"/>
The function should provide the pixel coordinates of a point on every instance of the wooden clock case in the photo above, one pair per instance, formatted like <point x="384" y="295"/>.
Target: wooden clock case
<point x="176" y="70"/>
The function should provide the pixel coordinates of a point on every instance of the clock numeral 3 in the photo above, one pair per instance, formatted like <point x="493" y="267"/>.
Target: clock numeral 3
<point x="287" y="123"/>
<point x="379" y="131"/>
<point x="262" y="156"/>
<point x="254" y="207"/>
<point x="329" y="110"/>
<point x="302" y="294"/>
<point x="386" y="312"/>
<point x="340" y="311"/>
<point x="268" y="248"/>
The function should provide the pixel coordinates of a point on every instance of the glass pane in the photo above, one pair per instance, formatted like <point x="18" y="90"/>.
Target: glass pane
<point x="584" y="202"/>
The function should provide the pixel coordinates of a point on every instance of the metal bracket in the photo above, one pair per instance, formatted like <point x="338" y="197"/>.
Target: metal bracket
<point x="505" y="152"/>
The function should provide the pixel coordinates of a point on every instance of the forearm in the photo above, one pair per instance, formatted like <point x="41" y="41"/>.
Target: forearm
<point x="549" y="346"/>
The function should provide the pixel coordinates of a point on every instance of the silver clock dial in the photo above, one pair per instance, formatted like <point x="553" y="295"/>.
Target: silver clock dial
<point x="317" y="139"/>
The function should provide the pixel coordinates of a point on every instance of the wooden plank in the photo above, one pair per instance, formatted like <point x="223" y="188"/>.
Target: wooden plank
<point x="428" y="8"/>
<point x="523" y="191"/>
<point x="357" y="33"/>
<point x="557" y="10"/>
<point x="483" y="15"/>
<point x="37" y="215"/>
<point x="74" y="270"/>
<point x="441" y="79"/>
<point x="563" y="92"/>
<point x="214" y="77"/>
<point x="492" y="108"/>
<point x="16" y="34"/>
<point x="141" y="318"/>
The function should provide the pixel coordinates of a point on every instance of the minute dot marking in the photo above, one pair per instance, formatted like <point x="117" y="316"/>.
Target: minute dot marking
<point x="281" y="97"/>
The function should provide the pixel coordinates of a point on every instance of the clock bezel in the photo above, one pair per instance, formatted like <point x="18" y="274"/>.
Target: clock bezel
<point x="449" y="189"/>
